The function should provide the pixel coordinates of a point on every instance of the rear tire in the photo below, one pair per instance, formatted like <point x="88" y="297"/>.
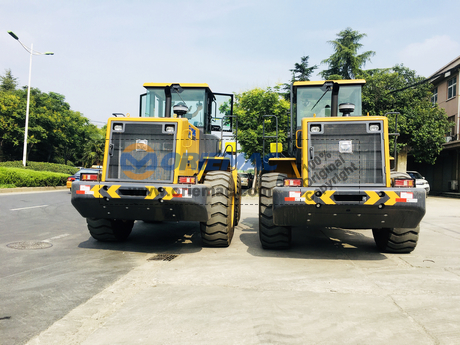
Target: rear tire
<point x="396" y="240"/>
<point x="271" y="236"/>
<point x="109" y="230"/>
<point x="218" y="230"/>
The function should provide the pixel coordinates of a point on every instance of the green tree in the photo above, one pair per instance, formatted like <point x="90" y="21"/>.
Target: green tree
<point x="9" y="83"/>
<point x="56" y="133"/>
<point x="345" y="61"/>
<point x="250" y="106"/>
<point x="12" y="121"/>
<point x="300" y="72"/>
<point x="93" y="153"/>
<point x="422" y="125"/>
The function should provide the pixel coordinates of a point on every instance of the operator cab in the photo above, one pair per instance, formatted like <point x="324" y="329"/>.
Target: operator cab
<point x="326" y="99"/>
<point x="196" y="102"/>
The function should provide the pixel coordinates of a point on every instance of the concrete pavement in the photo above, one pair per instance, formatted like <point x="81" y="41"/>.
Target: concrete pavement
<point x="332" y="287"/>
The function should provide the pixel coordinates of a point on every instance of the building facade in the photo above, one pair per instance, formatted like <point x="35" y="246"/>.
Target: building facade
<point x="444" y="175"/>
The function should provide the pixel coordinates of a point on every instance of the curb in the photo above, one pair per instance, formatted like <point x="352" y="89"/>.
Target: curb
<point x="449" y="195"/>
<point x="31" y="189"/>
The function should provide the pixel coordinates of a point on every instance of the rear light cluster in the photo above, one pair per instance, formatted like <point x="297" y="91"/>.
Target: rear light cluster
<point x="293" y="182"/>
<point x="187" y="179"/>
<point x="403" y="183"/>
<point x="88" y="177"/>
<point x="71" y="178"/>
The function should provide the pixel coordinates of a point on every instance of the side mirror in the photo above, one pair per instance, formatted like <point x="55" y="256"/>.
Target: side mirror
<point x="230" y="147"/>
<point x="276" y="148"/>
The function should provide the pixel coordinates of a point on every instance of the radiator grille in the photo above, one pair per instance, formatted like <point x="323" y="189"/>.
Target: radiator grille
<point x="346" y="154"/>
<point x="142" y="152"/>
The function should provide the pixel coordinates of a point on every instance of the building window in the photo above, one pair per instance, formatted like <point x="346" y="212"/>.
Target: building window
<point x="434" y="98"/>
<point x="451" y="120"/>
<point x="452" y="88"/>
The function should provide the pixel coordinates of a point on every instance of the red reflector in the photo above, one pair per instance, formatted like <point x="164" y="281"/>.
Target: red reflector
<point x="89" y="177"/>
<point x="187" y="179"/>
<point x="293" y="182"/>
<point x="404" y="183"/>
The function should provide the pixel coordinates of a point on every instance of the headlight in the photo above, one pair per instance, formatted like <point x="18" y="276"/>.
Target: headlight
<point x="374" y="128"/>
<point x="315" y="129"/>
<point x="169" y="129"/>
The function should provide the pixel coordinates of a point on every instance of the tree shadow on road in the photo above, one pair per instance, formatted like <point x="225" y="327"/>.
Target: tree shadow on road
<point x="149" y="237"/>
<point x="315" y="243"/>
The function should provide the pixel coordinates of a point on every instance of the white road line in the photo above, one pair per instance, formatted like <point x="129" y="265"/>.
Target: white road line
<point x="26" y="208"/>
<point x="56" y="237"/>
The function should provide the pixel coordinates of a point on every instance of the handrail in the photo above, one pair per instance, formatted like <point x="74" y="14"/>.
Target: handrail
<point x="235" y="135"/>
<point x="268" y="136"/>
<point x="396" y="134"/>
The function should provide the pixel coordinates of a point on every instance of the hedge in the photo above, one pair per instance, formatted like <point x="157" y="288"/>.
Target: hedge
<point x="42" y="166"/>
<point x="20" y="177"/>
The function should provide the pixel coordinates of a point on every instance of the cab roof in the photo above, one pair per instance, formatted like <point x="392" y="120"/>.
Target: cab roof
<point x="340" y="82"/>
<point x="184" y="85"/>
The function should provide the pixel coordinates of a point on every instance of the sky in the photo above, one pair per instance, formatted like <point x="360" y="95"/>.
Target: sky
<point x="105" y="50"/>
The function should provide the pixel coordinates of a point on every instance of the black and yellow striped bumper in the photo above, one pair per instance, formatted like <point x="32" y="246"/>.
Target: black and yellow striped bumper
<point x="349" y="208"/>
<point x="151" y="202"/>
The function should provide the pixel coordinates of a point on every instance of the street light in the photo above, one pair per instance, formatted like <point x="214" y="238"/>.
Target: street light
<point x="31" y="52"/>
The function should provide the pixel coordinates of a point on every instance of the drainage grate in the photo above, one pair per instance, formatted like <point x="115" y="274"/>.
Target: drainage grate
<point x="29" y="245"/>
<point x="163" y="257"/>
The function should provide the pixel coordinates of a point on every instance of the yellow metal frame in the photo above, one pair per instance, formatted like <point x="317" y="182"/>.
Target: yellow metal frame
<point x="287" y="166"/>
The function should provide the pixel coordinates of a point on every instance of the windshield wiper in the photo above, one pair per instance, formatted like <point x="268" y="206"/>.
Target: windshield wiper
<point x="326" y="87"/>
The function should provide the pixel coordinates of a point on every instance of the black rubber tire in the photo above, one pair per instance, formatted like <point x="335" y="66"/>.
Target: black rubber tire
<point x="271" y="236"/>
<point x="239" y="190"/>
<point x="109" y="230"/>
<point x="218" y="230"/>
<point x="396" y="240"/>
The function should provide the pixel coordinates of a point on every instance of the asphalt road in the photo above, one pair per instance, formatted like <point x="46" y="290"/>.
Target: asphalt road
<point x="332" y="287"/>
<point x="40" y="286"/>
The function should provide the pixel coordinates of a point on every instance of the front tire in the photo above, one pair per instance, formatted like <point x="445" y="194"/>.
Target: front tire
<point x="271" y="236"/>
<point x="109" y="230"/>
<point x="218" y="230"/>
<point x="396" y="240"/>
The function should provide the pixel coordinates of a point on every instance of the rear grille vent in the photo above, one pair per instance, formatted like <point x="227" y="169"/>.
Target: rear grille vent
<point x="142" y="152"/>
<point x="346" y="154"/>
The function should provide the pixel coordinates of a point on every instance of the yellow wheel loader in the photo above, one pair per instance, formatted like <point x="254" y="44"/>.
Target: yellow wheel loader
<point x="168" y="164"/>
<point x="336" y="173"/>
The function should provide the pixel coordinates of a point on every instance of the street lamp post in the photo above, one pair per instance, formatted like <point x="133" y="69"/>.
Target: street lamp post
<point x="31" y="52"/>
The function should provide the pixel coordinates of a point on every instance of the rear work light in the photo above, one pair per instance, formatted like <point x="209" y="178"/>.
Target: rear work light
<point x="187" y="179"/>
<point x="403" y="183"/>
<point x="88" y="177"/>
<point x="293" y="182"/>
